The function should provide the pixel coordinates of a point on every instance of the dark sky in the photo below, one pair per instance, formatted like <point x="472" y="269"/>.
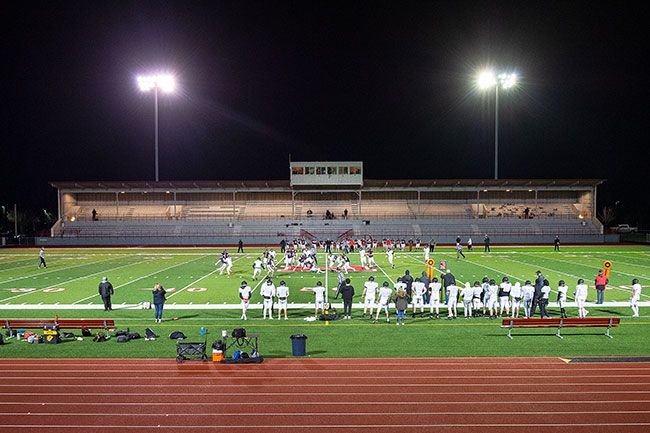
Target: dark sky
<point x="389" y="83"/>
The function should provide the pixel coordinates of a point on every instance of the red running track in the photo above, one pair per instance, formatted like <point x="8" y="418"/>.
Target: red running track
<point x="324" y="395"/>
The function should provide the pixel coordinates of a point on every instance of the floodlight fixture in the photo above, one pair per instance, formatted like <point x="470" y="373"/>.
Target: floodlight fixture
<point x="163" y="82"/>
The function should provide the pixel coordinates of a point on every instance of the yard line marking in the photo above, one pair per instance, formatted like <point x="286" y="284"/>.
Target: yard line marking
<point x="585" y="265"/>
<point x="59" y="269"/>
<point x="384" y="272"/>
<point x="137" y="279"/>
<point x="203" y="277"/>
<point x="74" y="279"/>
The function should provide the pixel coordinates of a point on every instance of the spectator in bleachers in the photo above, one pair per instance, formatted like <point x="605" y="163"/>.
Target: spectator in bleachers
<point x="526" y="213"/>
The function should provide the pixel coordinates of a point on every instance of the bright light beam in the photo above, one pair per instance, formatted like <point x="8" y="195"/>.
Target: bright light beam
<point x="486" y="79"/>
<point x="166" y="83"/>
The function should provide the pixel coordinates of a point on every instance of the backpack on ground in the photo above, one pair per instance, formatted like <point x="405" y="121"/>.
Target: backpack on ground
<point x="100" y="337"/>
<point x="122" y="338"/>
<point x="149" y="334"/>
<point x="177" y="335"/>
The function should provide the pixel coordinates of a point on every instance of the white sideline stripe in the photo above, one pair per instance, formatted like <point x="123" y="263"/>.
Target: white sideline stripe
<point x="58" y="269"/>
<point x="320" y="393"/>
<point x="315" y="426"/>
<point x="137" y="279"/>
<point x="194" y="282"/>
<point x="74" y="279"/>
<point x="258" y="306"/>
<point x="383" y="413"/>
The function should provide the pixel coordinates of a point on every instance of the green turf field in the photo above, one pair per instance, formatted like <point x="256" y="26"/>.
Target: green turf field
<point x="190" y="275"/>
<point x="68" y="287"/>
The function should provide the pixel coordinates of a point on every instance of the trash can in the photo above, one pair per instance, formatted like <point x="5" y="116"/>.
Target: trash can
<point x="298" y="345"/>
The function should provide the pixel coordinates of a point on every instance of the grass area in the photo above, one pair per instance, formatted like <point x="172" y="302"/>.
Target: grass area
<point x="72" y="275"/>
<point x="348" y="338"/>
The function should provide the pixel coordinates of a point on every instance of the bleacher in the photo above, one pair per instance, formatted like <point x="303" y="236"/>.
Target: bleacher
<point x="140" y="212"/>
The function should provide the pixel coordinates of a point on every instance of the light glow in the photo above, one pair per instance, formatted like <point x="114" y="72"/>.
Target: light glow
<point x="164" y="82"/>
<point x="486" y="79"/>
<point x="508" y="80"/>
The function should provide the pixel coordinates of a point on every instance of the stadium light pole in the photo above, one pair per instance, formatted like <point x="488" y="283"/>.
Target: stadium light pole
<point x="485" y="81"/>
<point x="164" y="83"/>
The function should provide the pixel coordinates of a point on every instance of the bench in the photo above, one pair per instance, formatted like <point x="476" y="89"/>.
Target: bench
<point x="104" y="324"/>
<point x="572" y="322"/>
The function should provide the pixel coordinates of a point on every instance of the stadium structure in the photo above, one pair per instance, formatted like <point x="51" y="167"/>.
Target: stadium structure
<point x="264" y="212"/>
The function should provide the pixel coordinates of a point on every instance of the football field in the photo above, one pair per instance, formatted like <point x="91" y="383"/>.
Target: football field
<point x="192" y="279"/>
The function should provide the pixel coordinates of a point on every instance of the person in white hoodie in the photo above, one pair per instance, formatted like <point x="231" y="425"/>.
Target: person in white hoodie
<point x="528" y="291"/>
<point x="452" y="299"/>
<point x="468" y="297"/>
<point x="636" y="295"/>
<point x="562" y="290"/>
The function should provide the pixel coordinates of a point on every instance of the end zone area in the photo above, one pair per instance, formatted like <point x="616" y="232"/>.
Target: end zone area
<point x="325" y="395"/>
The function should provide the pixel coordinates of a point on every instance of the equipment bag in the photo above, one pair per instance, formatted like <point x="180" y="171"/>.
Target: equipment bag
<point x="99" y="338"/>
<point x="238" y="333"/>
<point x="177" y="335"/>
<point x="133" y="336"/>
<point x="149" y="334"/>
<point x="122" y="338"/>
<point x="86" y="332"/>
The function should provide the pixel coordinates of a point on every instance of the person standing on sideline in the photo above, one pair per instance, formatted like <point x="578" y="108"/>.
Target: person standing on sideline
<point x="468" y="298"/>
<point x="385" y="294"/>
<point x="268" y="292"/>
<point x="369" y="294"/>
<point x="105" y="291"/>
<point x="432" y="245"/>
<point x="434" y="298"/>
<point x="425" y="279"/>
<point x="636" y="295"/>
<point x="601" y="283"/>
<point x="469" y="245"/>
<point x="539" y="283"/>
<point x="419" y="289"/>
<point x="408" y="280"/>
<point x="319" y="298"/>
<point x="556" y="243"/>
<point x="504" y="294"/>
<point x="41" y="258"/>
<point x="448" y="279"/>
<point x="459" y="251"/>
<point x="452" y="300"/>
<point x="245" y="293"/>
<point x="158" y="301"/>
<point x="401" y="304"/>
<point x="282" y="292"/>
<point x="486" y="243"/>
<point x="347" y="293"/>
<point x="543" y="302"/>
<point x="283" y="246"/>
<point x="516" y="294"/>
<point x="240" y="246"/>
<point x="581" y="297"/>
<point x="562" y="290"/>
<point x="528" y="292"/>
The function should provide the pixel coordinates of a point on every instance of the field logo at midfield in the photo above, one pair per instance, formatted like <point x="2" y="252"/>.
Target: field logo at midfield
<point x="20" y="290"/>
<point x="322" y="268"/>
<point x="197" y="289"/>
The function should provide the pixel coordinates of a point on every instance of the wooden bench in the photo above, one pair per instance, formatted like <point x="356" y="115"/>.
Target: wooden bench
<point x="104" y="324"/>
<point x="572" y="322"/>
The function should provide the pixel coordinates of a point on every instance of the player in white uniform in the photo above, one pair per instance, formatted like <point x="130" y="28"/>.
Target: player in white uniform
<point x="636" y="295"/>
<point x="434" y="300"/>
<point x="319" y="300"/>
<point x="369" y="295"/>
<point x="528" y="291"/>
<point x="492" y="299"/>
<point x="426" y="253"/>
<point x="504" y="294"/>
<point x="452" y="300"/>
<point x="418" y="288"/>
<point x="515" y="294"/>
<point x="362" y="257"/>
<point x="385" y="294"/>
<point x="400" y="285"/>
<point x="480" y="293"/>
<point x="268" y="292"/>
<point x="468" y="299"/>
<point x="562" y="290"/>
<point x="257" y="268"/>
<point x="282" y="292"/>
<point x="346" y="263"/>
<point x="581" y="297"/>
<point x="41" y="258"/>
<point x="270" y="267"/>
<point x="371" y="259"/>
<point x="245" y="293"/>
<point x="390" y="254"/>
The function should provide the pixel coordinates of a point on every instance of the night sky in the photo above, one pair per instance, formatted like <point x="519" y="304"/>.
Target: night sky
<point x="389" y="83"/>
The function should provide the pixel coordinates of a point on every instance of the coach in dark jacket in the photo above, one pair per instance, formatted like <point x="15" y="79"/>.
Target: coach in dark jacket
<point x="448" y="279"/>
<point x="537" y="296"/>
<point x="347" y="293"/>
<point x="408" y="280"/>
<point x="105" y="291"/>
